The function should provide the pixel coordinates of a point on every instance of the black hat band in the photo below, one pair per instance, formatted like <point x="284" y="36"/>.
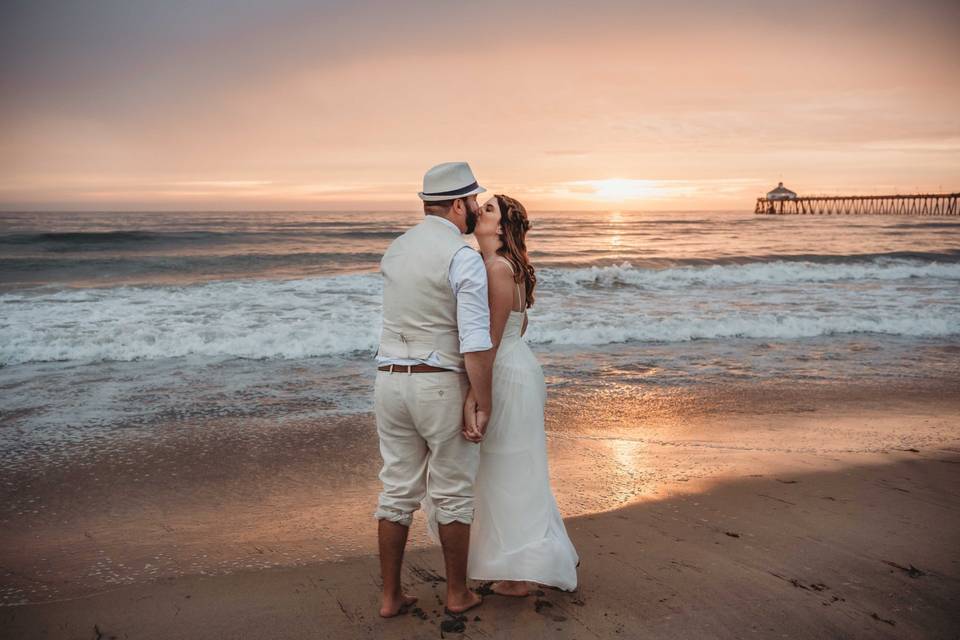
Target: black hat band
<point x="455" y="192"/>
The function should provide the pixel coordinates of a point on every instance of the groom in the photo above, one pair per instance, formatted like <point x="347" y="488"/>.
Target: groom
<point x="435" y="345"/>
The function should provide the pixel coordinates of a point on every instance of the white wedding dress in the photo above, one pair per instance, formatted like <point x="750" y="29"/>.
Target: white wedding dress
<point x="517" y="531"/>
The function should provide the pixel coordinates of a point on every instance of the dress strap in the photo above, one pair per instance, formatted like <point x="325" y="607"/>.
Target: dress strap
<point x="517" y="287"/>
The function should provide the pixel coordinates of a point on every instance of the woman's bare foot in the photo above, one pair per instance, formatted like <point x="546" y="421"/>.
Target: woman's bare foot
<point x="395" y="605"/>
<point x="515" y="588"/>
<point x="459" y="603"/>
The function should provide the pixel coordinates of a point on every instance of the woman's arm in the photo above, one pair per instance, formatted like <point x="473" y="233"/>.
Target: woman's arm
<point x="500" y="298"/>
<point x="500" y="292"/>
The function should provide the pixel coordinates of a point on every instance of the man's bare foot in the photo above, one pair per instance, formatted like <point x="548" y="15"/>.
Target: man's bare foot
<point x="395" y="605"/>
<point x="463" y="602"/>
<point x="516" y="588"/>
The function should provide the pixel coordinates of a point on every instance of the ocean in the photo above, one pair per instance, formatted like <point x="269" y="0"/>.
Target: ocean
<point x="191" y="392"/>
<point x="130" y="301"/>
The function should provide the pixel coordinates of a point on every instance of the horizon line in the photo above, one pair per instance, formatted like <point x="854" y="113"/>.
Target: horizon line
<point x="343" y="210"/>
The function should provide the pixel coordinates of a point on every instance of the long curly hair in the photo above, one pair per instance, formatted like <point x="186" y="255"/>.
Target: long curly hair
<point x="515" y="224"/>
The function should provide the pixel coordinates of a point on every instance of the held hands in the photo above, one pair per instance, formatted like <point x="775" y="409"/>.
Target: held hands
<point x="475" y="419"/>
<point x="483" y="417"/>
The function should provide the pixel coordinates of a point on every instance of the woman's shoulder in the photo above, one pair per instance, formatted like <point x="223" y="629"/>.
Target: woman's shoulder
<point x="499" y="263"/>
<point x="499" y="275"/>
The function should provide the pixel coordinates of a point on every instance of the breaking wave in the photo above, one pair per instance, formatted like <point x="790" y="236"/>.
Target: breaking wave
<point x="334" y="315"/>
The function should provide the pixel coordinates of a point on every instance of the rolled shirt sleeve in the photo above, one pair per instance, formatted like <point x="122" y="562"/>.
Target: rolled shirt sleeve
<point x="468" y="279"/>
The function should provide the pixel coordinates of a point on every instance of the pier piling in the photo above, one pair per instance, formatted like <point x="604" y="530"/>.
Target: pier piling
<point x="927" y="204"/>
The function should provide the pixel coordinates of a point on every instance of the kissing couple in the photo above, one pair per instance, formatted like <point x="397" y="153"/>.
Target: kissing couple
<point x="459" y="401"/>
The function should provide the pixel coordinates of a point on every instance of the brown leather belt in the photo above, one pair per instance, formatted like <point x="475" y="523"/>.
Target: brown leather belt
<point x="413" y="368"/>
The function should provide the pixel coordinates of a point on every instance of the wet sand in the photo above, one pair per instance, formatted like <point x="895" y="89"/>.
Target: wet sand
<point x="753" y="512"/>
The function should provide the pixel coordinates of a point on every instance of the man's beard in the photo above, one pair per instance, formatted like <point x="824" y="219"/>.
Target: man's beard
<point x="471" y="220"/>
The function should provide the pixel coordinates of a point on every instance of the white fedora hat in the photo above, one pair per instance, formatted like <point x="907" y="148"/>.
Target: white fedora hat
<point x="448" y="181"/>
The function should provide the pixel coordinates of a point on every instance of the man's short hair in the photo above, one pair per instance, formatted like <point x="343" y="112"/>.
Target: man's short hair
<point x="438" y="207"/>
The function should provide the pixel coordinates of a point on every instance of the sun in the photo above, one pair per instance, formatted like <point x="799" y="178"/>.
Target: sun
<point x="623" y="191"/>
<point x="620" y="189"/>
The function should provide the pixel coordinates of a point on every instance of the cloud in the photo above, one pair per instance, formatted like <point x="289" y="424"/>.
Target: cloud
<point x="567" y="152"/>
<point x="299" y="102"/>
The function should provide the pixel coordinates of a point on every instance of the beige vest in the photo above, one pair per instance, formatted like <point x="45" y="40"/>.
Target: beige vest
<point x="419" y="307"/>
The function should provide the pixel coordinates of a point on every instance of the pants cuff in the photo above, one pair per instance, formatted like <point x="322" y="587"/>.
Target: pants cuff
<point x="447" y="516"/>
<point x="393" y="515"/>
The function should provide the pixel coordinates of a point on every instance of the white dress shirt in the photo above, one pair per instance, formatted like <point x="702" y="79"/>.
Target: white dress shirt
<point x="468" y="279"/>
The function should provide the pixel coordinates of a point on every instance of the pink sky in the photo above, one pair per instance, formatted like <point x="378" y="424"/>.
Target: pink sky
<point x="565" y="105"/>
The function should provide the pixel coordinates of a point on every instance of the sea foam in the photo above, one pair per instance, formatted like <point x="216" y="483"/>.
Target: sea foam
<point x="340" y="315"/>
<point x="773" y="272"/>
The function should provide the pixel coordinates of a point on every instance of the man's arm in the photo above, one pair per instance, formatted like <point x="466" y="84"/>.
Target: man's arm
<point x="468" y="277"/>
<point x="480" y="372"/>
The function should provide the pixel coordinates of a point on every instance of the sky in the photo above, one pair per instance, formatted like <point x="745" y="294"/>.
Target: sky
<point x="297" y="105"/>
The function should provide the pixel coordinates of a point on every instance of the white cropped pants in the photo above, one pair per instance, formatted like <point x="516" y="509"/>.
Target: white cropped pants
<point x="419" y="421"/>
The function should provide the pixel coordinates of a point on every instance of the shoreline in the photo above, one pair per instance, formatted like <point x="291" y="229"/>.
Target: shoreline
<point x="841" y="553"/>
<point x="234" y="496"/>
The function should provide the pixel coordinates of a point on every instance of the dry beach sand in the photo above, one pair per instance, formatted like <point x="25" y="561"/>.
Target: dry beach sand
<point x="727" y="513"/>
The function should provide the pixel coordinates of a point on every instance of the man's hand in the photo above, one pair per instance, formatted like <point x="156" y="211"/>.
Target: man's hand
<point x="470" y="429"/>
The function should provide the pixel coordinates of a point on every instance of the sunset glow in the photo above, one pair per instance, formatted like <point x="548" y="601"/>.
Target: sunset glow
<point x="326" y="105"/>
<point x="623" y="190"/>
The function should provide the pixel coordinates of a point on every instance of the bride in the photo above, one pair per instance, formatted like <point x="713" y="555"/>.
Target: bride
<point x="517" y="535"/>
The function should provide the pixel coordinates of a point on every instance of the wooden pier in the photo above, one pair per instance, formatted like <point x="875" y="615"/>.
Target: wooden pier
<point x="926" y="204"/>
